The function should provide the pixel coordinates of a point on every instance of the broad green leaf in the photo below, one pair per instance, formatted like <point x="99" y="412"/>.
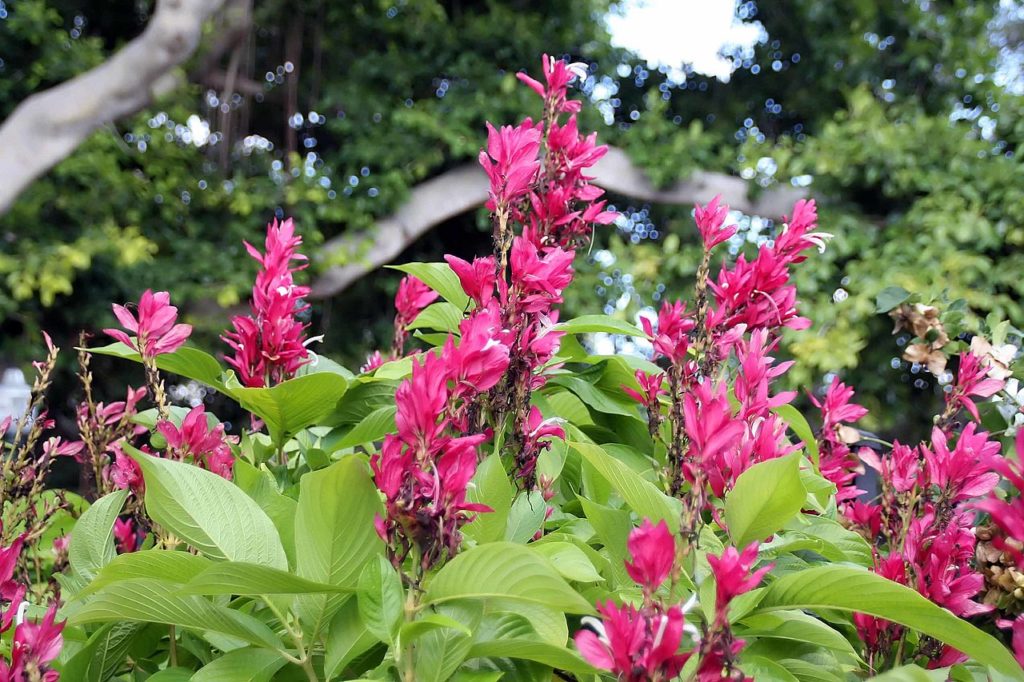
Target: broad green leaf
<point x="766" y="496"/>
<point x="439" y="653"/>
<point x="586" y="324"/>
<point x="152" y="601"/>
<point x="796" y="626"/>
<point x="171" y="675"/>
<point x="104" y="652"/>
<point x="641" y="495"/>
<point x="761" y="668"/>
<point x="360" y="400"/>
<point x="424" y="624"/>
<point x="547" y="624"/>
<point x="594" y="397"/>
<point x="169" y="567"/>
<point x="260" y="485"/>
<point x="490" y="486"/>
<point x="531" y="650"/>
<point x="526" y="517"/>
<point x="504" y="570"/>
<point x="890" y="297"/>
<point x="347" y="638"/>
<point x="334" y="534"/>
<point x="440" y="277"/>
<point x="913" y="673"/>
<point x="292" y="405"/>
<point x="235" y="577"/>
<point x="321" y="363"/>
<point x="798" y="424"/>
<point x="442" y="316"/>
<point x="569" y="560"/>
<point x="373" y="426"/>
<point x="188" y="362"/>
<point x="857" y="590"/>
<point x="208" y="512"/>
<point x="613" y="527"/>
<point x="381" y="599"/>
<point x="92" y="539"/>
<point x="241" y="665"/>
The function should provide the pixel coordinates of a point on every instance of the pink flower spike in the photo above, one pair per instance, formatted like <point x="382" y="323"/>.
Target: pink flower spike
<point x="733" y="576"/>
<point x="653" y="548"/>
<point x="710" y="221"/>
<point x="156" y="331"/>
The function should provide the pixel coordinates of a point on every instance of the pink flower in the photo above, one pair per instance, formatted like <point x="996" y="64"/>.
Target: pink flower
<point x="650" y="388"/>
<point x="155" y="329"/>
<point x="972" y="380"/>
<point x="11" y="591"/>
<point x="126" y="536"/>
<point x="55" y="446"/>
<point x="636" y="645"/>
<point x="420" y="400"/>
<point x="966" y="470"/>
<point x="373" y="361"/>
<point x="733" y="576"/>
<point x="653" y="548"/>
<point x="557" y="76"/>
<point x="900" y="467"/>
<point x="511" y="162"/>
<point x="125" y="472"/>
<point x="1017" y="627"/>
<point x="710" y="221"/>
<point x="837" y="462"/>
<point x="714" y="434"/>
<point x="756" y="372"/>
<point x="797" y="236"/>
<point x="671" y="340"/>
<point x="943" y="561"/>
<point x="866" y="516"/>
<point x="269" y="344"/>
<point x="477" y="278"/>
<point x="877" y="633"/>
<point x="412" y="297"/>
<point x="196" y="440"/>
<point x="481" y="358"/>
<point x="35" y="646"/>
<point x="539" y="276"/>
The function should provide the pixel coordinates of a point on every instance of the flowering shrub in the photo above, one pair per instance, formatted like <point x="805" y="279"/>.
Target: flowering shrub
<point x="500" y="503"/>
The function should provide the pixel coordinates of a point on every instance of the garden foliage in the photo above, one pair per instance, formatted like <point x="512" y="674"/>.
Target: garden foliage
<point x="487" y="499"/>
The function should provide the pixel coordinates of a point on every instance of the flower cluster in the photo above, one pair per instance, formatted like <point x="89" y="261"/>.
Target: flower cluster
<point x="270" y="344"/>
<point x="156" y="329"/>
<point x="196" y="442"/>
<point x="412" y="297"/>
<point x="425" y="469"/>
<point x="837" y="461"/>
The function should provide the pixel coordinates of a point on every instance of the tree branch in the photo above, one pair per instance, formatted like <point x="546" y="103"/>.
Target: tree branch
<point x="49" y="125"/>
<point x="461" y="189"/>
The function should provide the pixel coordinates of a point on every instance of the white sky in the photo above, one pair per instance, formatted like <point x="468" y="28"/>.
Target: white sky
<point x="671" y="33"/>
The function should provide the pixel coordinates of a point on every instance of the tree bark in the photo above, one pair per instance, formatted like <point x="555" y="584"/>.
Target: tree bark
<point x="49" y="125"/>
<point x="461" y="189"/>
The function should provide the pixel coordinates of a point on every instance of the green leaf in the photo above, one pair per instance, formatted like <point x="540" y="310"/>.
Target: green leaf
<point x="171" y="675"/>
<point x="641" y="495"/>
<point x="347" y="638"/>
<point x="292" y="405"/>
<point x="241" y="665"/>
<point x="440" y="277"/>
<point x="798" y="424"/>
<point x="92" y="539"/>
<point x="526" y="517"/>
<point x="588" y="324"/>
<point x="442" y="316"/>
<point x="208" y="512"/>
<point x="569" y="560"/>
<point x="360" y="400"/>
<point x="594" y="397"/>
<point x="765" y="497"/>
<point x="913" y="673"/>
<point x="424" y="624"/>
<point x="796" y="626"/>
<point x="103" y="654"/>
<point x="166" y="566"/>
<point x="260" y="485"/>
<point x="373" y="426"/>
<point x="153" y="601"/>
<point x="334" y="534"/>
<point x="235" y="577"/>
<point x="381" y="599"/>
<point x="490" y="486"/>
<point x="857" y="590"/>
<point x="890" y="297"/>
<point x="188" y="362"/>
<point x="504" y="570"/>
<point x="439" y="653"/>
<point x="531" y="650"/>
<point x="761" y="668"/>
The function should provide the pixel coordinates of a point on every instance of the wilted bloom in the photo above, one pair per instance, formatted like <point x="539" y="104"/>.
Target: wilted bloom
<point x="269" y="344"/>
<point x="733" y="576"/>
<point x="710" y="221"/>
<point x="653" y="548"/>
<point x="972" y="380"/>
<point x="155" y="330"/>
<point x="636" y="645"/>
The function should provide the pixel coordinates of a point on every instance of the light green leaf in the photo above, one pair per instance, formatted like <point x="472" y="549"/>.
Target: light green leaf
<point x="504" y="570"/>
<point x="490" y="486"/>
<point x="439" y="653"/>
<point x="104" y="652"/>
<point x="92" y="544"/>
<point x="347" y="638"/>
<point x="531" y="650"/>
<point x="857" y="590"/>
<point x="913" y="673"/>
<point x="765" y="497"/>
<point x="796" y="626"/>
<point x="641" y="495"/>
<point x="424" y="624"/>
<point x="169" y="567"/>
<point x="798" y="425"/>
<point x="440" y="277"/>
<point x="569" y="560"/>
<point x="153" y="601"/>
<point x="373" y="426"/>
<point x="259" y="484"/>
<point x="594" y="397"/>
<point x="292" y="405"/>
<point x="761" y="668"/>
<point x="442" y="316"/>
<point x="241" y="665"/>
<point x="235" y="577"/>
<point x="586" y="324"/>
<point x="526" y="517"/>
<point x="890" y="297"/>
<point x="188" y="362"/>
<point x="334" y="534"/>
<point x="381" y="599"/>
<point x="208" y="512"/>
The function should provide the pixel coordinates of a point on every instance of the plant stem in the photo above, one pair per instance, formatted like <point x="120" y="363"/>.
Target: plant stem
<point x="173" y="648"/>
<point x="304" y="660"/>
